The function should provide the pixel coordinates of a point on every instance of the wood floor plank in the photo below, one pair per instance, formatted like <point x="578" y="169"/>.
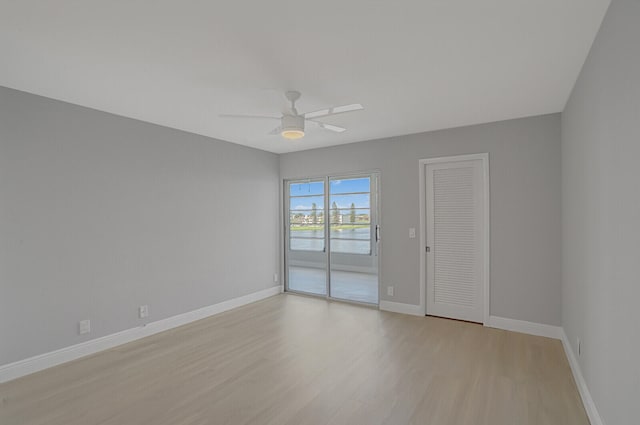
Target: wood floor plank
<point x="298" y="360"/>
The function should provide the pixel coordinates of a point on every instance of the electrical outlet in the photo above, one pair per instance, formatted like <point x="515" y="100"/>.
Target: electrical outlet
<point x="275" y="278"/>
<point x="390" y="291"/>
<point x="84" y="326"/>
<point x="412" y="233"/>
<point x="143" y="311"/>
<point x="579" y="348"/>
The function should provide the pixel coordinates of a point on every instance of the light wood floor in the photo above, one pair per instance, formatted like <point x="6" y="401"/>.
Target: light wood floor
<point x="297" y="360"/>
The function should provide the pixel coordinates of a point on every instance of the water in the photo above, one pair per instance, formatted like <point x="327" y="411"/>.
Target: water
<point x="338" y="243"/>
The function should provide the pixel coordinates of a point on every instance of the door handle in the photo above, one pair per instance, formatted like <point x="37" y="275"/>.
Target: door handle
<point x="377" y="232"/>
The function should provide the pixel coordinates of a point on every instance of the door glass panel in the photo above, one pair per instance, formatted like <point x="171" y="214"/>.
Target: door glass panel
<point x="306" y="204"/>
<point x="351" y="185"/>
<point x="354" y="257"/>
<point x="306" y="188"/>
<point x="306" y="245"/>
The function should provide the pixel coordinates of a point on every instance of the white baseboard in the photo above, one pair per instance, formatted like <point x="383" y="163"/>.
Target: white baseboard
<point x="589" y="405"/>
<point x="24" y="367"/>
<point x="412" y="309"/>
<point x="525" y="327"/>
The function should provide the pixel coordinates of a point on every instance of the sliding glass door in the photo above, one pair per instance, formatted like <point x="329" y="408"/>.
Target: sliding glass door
<point x="306" y="237"/>
<point x="332" y="237"/>
<point x="354" y="258"/>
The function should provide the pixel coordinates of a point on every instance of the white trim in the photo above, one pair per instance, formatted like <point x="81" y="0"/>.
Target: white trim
<point x="28" y="366"/>
<point x="522" y="326"/>
<point x="412" y="309"/>
<point x="587" y="401"/>
<point x="487" y="237"/>
<point x="484" y="157"/>
<point x="421" y="231"/>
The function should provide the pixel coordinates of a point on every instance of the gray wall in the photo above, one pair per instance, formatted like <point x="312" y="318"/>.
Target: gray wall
<point x="601" y="216"/>
<point x="525" y="206"/>
<point x="100" y="214"/>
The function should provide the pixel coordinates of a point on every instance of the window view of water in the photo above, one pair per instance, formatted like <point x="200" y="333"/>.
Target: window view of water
<point x="353" y="241"/>
<point x="348" y="215"/>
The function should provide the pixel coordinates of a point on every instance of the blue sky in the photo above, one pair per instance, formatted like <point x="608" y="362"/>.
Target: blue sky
<point x="337" y="187"/>
<point x="350" y="185"/>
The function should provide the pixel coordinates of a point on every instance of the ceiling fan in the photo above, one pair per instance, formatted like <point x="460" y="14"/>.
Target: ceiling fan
<point x="292" y="123"/>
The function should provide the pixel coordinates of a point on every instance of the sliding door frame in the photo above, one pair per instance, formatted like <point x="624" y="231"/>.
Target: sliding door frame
<point x="374" y="186"/>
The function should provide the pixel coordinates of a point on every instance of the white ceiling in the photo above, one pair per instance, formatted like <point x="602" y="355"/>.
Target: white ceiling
<point x="415" y="65"/>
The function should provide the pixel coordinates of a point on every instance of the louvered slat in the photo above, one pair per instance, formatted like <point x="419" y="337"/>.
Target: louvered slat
<point x="455" y="257"/>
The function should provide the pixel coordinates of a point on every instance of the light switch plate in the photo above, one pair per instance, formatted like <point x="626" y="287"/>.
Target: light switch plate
<point x="412" y="232"/>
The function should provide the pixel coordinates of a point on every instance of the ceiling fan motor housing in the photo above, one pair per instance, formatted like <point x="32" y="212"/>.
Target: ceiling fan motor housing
<point x="292" y="123"/>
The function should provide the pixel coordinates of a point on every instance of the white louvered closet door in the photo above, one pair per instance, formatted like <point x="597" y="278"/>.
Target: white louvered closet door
<point x="455" y="239"/>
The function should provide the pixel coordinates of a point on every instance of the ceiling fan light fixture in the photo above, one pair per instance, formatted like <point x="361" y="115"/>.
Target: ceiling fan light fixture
<point x="292" y="127"/>
<point x="292" y="134"/>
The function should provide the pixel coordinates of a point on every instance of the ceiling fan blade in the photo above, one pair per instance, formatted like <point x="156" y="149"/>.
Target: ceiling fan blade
<point x="333" y="111"/>
<point x="275" y="131"/>
<point x="263" y="117"/>
<point x="329" y="127"/>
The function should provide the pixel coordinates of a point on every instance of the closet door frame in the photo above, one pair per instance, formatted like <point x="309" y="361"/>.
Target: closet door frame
<point x="484" y="158"/>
